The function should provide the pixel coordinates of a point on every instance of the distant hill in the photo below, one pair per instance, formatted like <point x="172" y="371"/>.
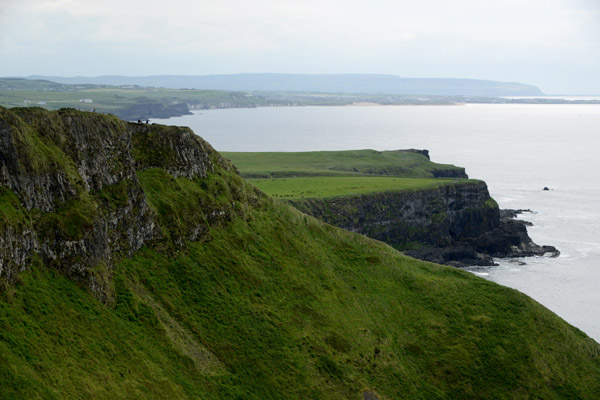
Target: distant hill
<point x="332" y="83"/>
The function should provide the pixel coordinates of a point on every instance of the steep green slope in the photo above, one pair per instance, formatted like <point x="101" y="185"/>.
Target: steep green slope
<point x="290" y="308"/>
<point x="266" y="302"/>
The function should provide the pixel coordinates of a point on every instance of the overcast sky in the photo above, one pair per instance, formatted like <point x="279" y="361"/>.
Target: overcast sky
<point x="554" y="44"/>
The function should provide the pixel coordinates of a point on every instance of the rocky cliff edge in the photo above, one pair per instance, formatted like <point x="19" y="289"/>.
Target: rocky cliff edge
<point x="457" y="224"/>
<point x="71" y="197"/>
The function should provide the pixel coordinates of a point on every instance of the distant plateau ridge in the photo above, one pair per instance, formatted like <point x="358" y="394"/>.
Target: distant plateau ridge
<point x="326" y="83"/>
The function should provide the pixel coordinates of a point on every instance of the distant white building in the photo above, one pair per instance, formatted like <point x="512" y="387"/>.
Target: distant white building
<point x="26" y="101"/>
<point x="86" y="101"/>
<point x="41" y="103"/>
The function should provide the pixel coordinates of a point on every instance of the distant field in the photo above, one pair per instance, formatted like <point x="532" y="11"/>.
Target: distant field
<point x="318" y="174"/>
<point x="320" y="187"/>
<point x="400" y="163"/>
<point x="114" y="97"/>
<point x="128" y="102"/>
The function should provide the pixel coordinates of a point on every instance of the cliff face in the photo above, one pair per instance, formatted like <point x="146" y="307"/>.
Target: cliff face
<point x="71" y="195"/>
<point x="456" y="224"/>
<point x="434" y="217"/>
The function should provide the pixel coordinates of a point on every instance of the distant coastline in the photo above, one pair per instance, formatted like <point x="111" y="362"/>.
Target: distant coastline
<point x="133" y="103"/>
<point x="566" y="97"/>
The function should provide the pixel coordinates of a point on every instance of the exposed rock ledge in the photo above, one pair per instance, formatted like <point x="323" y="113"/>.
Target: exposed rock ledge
<point x="72" y="199"/>
<point x="508" y="240"/>
<point x="457" y="224"/>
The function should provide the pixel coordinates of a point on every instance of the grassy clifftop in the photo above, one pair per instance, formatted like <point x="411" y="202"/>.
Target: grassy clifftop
<point x="405" y="163"/>
<point x="268" y="302"/>
<point x="323" y="187"/>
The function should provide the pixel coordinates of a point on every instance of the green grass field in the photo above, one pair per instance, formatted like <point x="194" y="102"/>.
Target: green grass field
<point x="320" y="187"/>
<point x="401" y="163"/>
<point x="106" y="99"/>
<point x="319" y="174"/>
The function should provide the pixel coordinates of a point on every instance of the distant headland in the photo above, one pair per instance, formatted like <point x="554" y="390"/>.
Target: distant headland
<point x="323" y="83"/>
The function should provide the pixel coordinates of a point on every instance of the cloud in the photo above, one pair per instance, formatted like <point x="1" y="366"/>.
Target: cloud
<point x="484" y="38"/>
<point x="265" y="25"/>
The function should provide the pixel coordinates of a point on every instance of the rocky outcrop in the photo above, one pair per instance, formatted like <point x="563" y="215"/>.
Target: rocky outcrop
<point x="456" y="224"/>
<point x="70" y="192"/>
<point x="173" y="149"/>
<point x="433" y="217"/>
<point x="510" y="239"/>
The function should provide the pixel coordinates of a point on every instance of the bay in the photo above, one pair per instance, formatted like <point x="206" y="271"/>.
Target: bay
<point x="517" y="149"/>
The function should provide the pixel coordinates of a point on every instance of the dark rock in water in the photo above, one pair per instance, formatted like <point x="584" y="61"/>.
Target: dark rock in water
<point x="512" y="213"/>
<point x="517" y="262"/>
<point x="546" y="188"/>
<point x="550" y="251"/>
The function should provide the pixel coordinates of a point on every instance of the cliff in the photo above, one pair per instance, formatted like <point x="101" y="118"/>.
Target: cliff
<point x="457" y="224"/>
<point x="137" y="264"/>
<point x="72" y="196"/>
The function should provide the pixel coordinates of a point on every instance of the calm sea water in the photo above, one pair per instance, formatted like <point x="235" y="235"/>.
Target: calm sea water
<point x="516" y="149"/>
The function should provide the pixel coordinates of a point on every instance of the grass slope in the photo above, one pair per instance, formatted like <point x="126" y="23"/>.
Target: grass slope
<point x="335" y="163"/>
<point x="279" y="305"/>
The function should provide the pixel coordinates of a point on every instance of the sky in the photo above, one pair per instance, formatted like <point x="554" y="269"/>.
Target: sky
<point x="553" y="44"/>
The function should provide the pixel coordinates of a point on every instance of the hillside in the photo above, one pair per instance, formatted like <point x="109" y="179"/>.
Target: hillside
<point x="136" y="263"/>
<point x="325" y="83"/>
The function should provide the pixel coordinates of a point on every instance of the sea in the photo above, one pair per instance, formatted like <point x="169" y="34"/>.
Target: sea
<point x="517" y="149"/>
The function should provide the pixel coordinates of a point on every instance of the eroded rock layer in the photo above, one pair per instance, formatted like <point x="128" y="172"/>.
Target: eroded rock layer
<point x="70" y="188"/>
